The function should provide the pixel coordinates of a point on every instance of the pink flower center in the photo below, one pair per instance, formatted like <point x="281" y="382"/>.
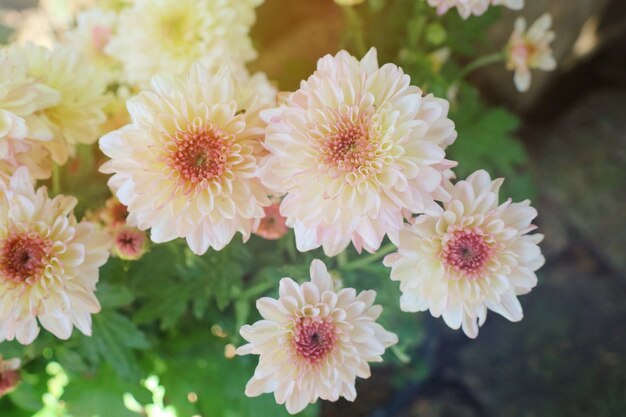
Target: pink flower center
<point x="23" y="256"/>
<point x="200" y="154"/>
<point x="467" y="252"/>
<point x="349" y="147"/>
<point x="8" y="381"/>
<point x="314" y="339"/>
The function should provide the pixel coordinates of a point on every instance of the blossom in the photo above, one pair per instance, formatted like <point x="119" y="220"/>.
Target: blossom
<point x="314" y="341"/>
<point x="129" y="243"/>
<point x="272" y="226"/>
<point x="20" y="97"/>
<point x="48" y="263"/>
<point x="9" y="375"/>
<point x="77" y="116"/>
<point x="353" y="149"/>
<point x="187" y="164"/>
<point x="168" y="36"/>
<point x="530" y="49"/>
<point x="467" y="8"/>
<point x="93" y="32"/>
<point x="472" y="256"/>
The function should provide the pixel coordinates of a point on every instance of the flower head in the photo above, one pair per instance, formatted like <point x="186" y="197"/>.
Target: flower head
<point x="129" y="243"/>
<point x="353" y="149"/>
<point x="467" y="8"/>
<point x="530" y="49"/>
<point x="9" y="375"/>
<point x="272" y="226"/>
<point x="472" y="256"/>
<point x="167" y="36"/>
<point x="48" y="263"/>
<point x="77" y="116"/>
<point x="186" y="165"/>
<point x="314" y="341"/>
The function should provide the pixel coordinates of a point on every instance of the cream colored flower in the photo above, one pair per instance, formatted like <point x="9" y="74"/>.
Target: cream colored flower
<point x="467" y="8"/>
<point x="48" y="263"/>
<point x="473" y="256"/>
<point x="354" y="149"/>
<point x="9" y="375"/>
<point x="187" y="164"/>
<point x="95" y="28"/>
<point x="78" y="115"/>
<point x="314" y="341"/>
<point x="168" y="36"/>
<point x="530" y="49"/>
<point x="20" y="97"/>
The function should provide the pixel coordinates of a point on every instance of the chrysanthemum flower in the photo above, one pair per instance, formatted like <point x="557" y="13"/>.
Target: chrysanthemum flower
<point x="473" y="256"/>
<point x="467" y="8"/>
<point x="94" y="29"/>
<point x="272" y="226"/>
<point x="9" y="375"/>
<point x="352" y="149"/>
<point x="186" y="166"/>
<point x="76" y="118"/>
<point x="168" y="36"/>
<point x="48" y="263"/>
<point x="20" y="97"/>
<point x="530" y="49"/>
<point x="314" y="341"/>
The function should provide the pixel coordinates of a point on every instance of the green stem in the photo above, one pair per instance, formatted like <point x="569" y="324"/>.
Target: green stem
<point x="366" y="260"/>
<point x="483" y="61"/>
<point x="56" y="179"/>
<point x="342" y="259"/>
<point x="356" y="29"/>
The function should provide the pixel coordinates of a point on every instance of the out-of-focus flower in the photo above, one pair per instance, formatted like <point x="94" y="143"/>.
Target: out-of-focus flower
<point x="272" y="226"/>
<point x="314" y="341"/>
<point x="78" y="115"/>
<point x="95" y="28"/>
<point x="168" y="36"/>
<point x="113" y="214"/>
<point x="187" y="164"/>
<point x="9" y="375"/>
<point x="48" y="263"/>
<point x="353" y="149"/>
<point x="473" y="256"/>
<point x="530" y="49"/>
<point x="467" y="8"/>
<point x="20" y="97"/>
<point x="349" y="2"/>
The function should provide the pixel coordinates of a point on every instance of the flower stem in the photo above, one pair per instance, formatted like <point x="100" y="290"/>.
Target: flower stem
<point x="483" y="61"/>
<point x="56" y="179"/>
<point x="356" y="29"/>
<point x="366" y="260"/>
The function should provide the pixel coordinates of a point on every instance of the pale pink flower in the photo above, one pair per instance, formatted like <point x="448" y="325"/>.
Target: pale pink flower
<point x="272" y="226"/>
<point x="530" y="49"/>
<point x="9" y="375"/>
<point x="187" y="164"/>
<point x="48" y="263"/>
<point x="472" y="256"/>
<point x="314" y="341"/>
<point x="351" y="150"/>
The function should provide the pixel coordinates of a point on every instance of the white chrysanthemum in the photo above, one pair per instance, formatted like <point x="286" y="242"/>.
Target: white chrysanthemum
<point x="48" y="263"/>
<point x="186" y="165"/>
<point x="20" y="97"/>
<point x="467" y="8"/>
<point x="168" y="36"/>
<point x="473" y="256"/>
<point x="314" y="341"/>
<point x="530" y="49"/>
<point x="78" y="115"/>
<point x="94" y="29"/>
<point x="352" y="149"/>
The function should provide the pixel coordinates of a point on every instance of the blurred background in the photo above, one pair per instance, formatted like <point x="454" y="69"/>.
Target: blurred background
<point x="568" y="356"/>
